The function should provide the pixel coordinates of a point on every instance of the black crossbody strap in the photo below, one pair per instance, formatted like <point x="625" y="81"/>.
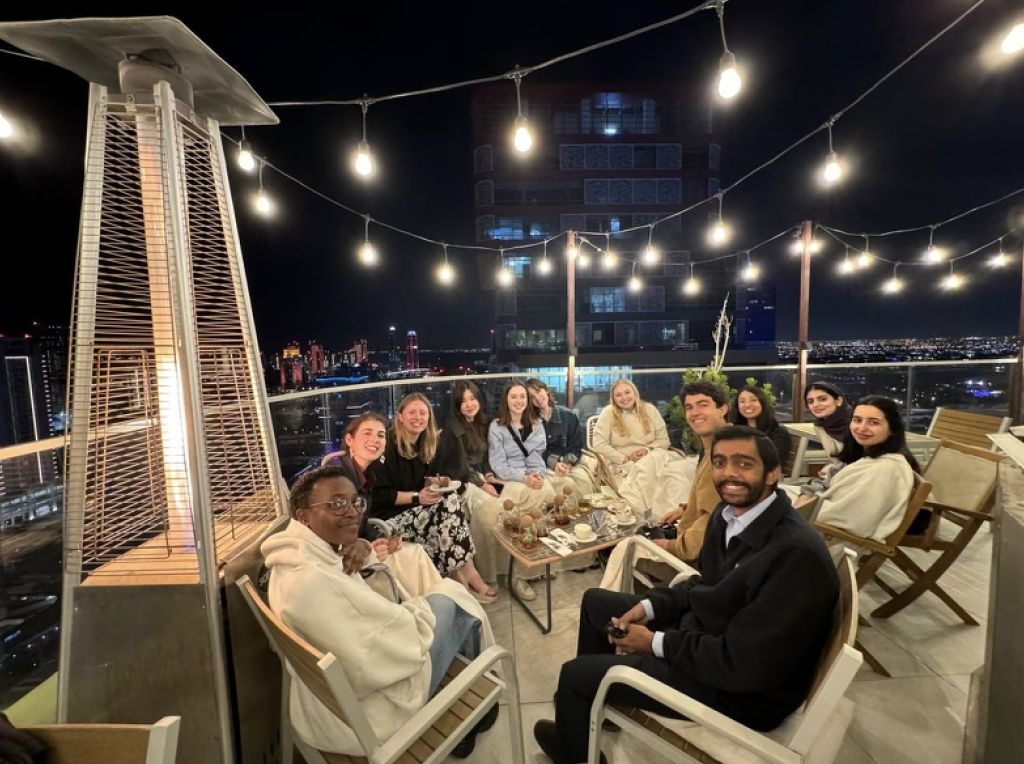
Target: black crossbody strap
<point x="518" y="440"/>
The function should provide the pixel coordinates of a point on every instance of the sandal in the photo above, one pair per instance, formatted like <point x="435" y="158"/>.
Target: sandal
<point x="484" y="597"/>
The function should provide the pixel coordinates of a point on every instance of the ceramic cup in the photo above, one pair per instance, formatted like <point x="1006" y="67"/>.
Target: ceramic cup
<point x="583" y="532"/>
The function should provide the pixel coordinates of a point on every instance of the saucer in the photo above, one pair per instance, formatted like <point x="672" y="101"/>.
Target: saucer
<point x="578" y="540"/>
<point x="629" y="521"/>
<point x="453" y="485"/>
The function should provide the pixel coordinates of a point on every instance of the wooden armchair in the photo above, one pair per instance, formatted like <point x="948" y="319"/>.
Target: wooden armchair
<point x="967" y="428"/>
<point x="878" y="553"/>
<point x="963" y="482"/>
<point x="110" y="743"/>
<point x="605" y="473"/>
<point x="713" y="738"/>
<point x="467" y="692"/>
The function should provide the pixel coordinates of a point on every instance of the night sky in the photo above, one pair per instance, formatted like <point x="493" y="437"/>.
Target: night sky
<point x="941" y="136"/>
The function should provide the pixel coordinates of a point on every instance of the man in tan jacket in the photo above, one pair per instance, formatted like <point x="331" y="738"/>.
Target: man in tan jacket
<point x="706" y="405"/>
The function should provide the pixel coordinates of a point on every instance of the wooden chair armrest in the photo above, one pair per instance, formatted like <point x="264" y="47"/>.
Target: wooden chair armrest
<point x="105" y="743"/>
<point x="746" y="738"/>
<point x="939" y="509"/>
<point x="445" y="699"/>
<point x="837" y="533"/>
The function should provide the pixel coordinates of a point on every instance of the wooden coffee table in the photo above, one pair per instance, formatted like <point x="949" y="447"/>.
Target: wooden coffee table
<point x="543" y="556"/>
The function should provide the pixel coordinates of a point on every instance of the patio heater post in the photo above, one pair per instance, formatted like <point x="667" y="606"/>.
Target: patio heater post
<point x="570" y="323"/>
<point x="800" y="383"/>
<point x="1017" y="376"/>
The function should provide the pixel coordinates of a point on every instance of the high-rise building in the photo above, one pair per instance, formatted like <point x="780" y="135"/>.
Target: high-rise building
<point x="53" y="350"/>
<point x="394" y="360"/>
<point x="317" y="359"/>
<point x="26" y="392"/>
<point x="412" y="350"/>
<point x="604" y="159"/>
<point x="292" y="350"/>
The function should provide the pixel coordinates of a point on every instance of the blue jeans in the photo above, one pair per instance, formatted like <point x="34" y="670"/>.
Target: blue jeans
<point x="455" y="631"/>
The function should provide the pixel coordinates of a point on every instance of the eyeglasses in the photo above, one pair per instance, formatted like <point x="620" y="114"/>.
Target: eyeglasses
<point x="340" y="506"/>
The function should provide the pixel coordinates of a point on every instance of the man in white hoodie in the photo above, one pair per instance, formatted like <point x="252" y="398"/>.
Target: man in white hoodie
<point x="393" y="653"/>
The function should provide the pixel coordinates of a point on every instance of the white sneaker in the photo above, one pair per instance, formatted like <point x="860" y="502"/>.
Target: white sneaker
<point x="524" y="590"/>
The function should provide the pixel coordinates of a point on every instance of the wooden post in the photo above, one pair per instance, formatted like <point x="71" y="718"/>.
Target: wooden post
<point x="570" y="323"/>
<point x="805" y="303"/>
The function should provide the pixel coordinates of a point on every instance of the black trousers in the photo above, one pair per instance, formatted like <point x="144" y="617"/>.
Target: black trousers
<point x="581" y="677"/>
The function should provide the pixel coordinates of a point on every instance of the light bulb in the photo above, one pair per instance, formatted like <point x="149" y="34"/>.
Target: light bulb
<point x="797" y="248"/>
<point x="608" y="261"/>
<point x="544" y="266"/>
<point x="584" y="259"/>
<point x="570" y="252"/>
<point x="363" y="163"/>
<point x="998" y="261"/>
<point x="245" y="158"/>
<point x="952" y="281"/>
<point x="832" y="169"/>
<point x="692" y="286"/>
<point x="846" y="267"/>
<point x="864" y="260"/>
<point x="1014" y="40"/>
<point x="6" y="129"/>
<point x="650" y="255"/>
<point x="892" y="286"/>
<point x="728" y="77"/>
<point x="635" y="284"/>
<point x="367" y="254"/>
<point x="751" y="272"/>
<point x="445" y="273"/>
<point x="263" y="204"/>
<point x="815" y="247"/>
<point x="719" y="233"/>
<point x="504" y="276"/>
<point x="523" y="140"/>
<point x="933" y="254"/>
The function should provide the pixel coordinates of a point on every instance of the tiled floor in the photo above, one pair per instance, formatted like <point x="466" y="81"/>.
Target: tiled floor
<point x="916" y="717"/>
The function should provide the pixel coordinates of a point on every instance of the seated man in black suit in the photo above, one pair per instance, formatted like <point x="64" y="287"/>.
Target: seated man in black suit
<point x="744" y="636"/>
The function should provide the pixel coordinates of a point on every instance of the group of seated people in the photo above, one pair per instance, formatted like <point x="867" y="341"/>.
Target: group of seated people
<point x="744" y="639"/>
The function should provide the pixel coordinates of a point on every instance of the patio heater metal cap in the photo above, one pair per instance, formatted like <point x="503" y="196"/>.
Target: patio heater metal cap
<point x="95" y="49"/>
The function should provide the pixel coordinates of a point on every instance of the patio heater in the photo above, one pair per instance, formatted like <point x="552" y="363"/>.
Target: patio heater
<point x="170" y="462"/>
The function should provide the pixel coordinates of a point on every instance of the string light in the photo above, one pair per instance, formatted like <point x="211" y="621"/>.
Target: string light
<point x="6" y="129"/>
<point x="544" y="266"/>
<point x="893" y="285"/>
<point x="933" y="254"/>
<point x="751" y="272"/>
<point x="864" y="259"/>
<point x="364" y="161"/>
<point x="445" y="274"/>
<point x="635" y="284"/>
<point x="505" y="276"/>
<point x="245" y="158"/>
<point x="719" y="233"/>
<point x="692" y="285"/>
<point x="521" y="139"/>
<point x="570" y="251"/>
<point x="952" y="281"/>
<point x="833" y="170"/>
<point x="584" y="258"/>
<point x="846" y="267"/>
<point x="729" y="82"/>
<point x="650" y="254"/>
<point x="608" y="261"/>
<point x="264" y="205"/>
<point x="1014" y="40"/>
<point x="367" y="254"/>
<point x="1000" y="259"/>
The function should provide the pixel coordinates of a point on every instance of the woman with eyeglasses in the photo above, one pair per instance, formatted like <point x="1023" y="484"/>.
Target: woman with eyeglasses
<point x="394" y="646"/>
<point x="408" y="493"/>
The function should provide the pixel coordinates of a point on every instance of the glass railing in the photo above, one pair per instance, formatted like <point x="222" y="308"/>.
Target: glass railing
<point x="311" y="422"/>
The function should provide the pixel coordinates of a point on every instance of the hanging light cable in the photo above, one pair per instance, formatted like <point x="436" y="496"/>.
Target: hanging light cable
<point x="729" y="82"/>
<point x="833" y="170"/>
<point x="846" y="267"/>
<point x="505" y="276"/>
<point x="367" y="254"/>
<point x="521" y="139"/>
<point x="364" y="161"/>
<point x="933" y="254"/>
<point x="893" y="285"/>
<point x="719" y="233"/>
<point x="953" y="281"/>
<point x="264" y="205"/>
<point x="692" y="285"/>
<point x="751" y="272"/>
<point x="650" y="254"/>
<point x="544" y="266"/>
<point x="445" y="274"/>
<point x="608" y="261"/>
<point x="864" y="259"/>
<point x="245" y="158"/>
